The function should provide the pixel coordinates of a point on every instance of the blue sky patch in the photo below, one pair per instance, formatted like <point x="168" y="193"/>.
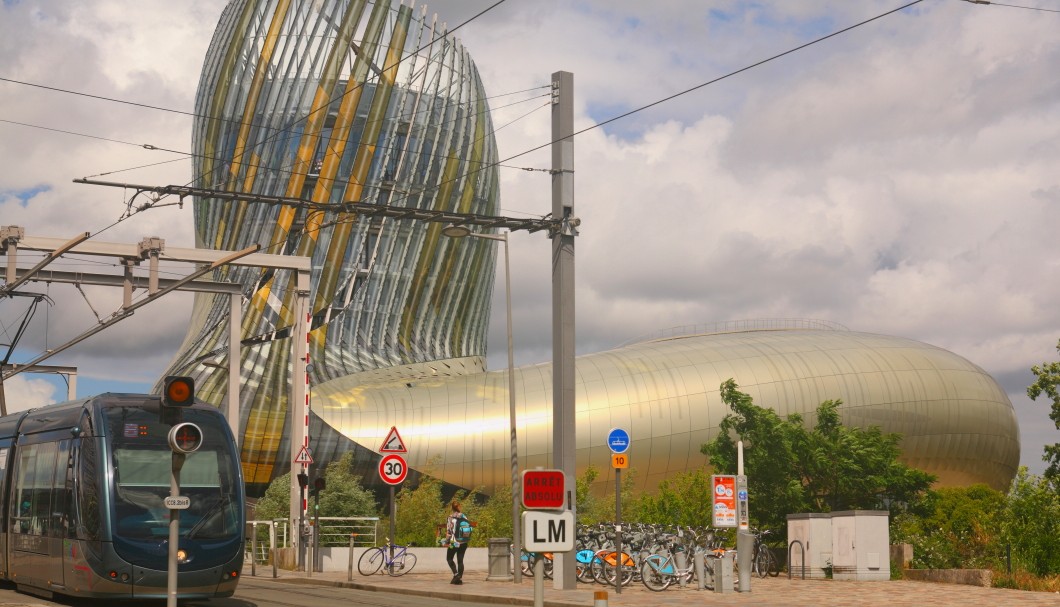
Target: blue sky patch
<point x="25" y="194"/>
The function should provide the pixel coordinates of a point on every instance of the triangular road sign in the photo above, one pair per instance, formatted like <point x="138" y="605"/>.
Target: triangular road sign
<point x="304" y="457"/>
<point x="393" y="443"/>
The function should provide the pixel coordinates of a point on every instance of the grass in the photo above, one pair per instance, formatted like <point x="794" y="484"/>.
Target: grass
<point x="1021" y="580"/>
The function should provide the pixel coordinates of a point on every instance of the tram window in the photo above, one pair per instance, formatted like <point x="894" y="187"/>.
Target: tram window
<point x="34" y="485"/>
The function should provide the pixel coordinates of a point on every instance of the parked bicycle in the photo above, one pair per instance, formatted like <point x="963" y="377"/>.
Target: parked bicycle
<point x="764" y="562"/>
<point x="378" y="557"/>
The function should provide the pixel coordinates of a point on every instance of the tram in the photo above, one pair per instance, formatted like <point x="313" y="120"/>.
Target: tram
<point x="84" y="485"/>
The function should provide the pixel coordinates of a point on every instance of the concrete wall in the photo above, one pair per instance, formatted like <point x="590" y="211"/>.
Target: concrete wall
<point x="971" y="577"/>
<point x="428" y="560"/>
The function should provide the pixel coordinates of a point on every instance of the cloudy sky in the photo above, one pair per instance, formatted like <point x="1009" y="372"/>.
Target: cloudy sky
<point x="901" y="178"/>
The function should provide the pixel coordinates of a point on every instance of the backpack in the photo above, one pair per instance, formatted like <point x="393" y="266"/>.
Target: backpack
<point x="462" y="531"/>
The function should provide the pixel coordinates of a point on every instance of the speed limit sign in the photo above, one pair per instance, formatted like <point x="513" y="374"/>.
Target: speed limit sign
<point x="392" y="469"/>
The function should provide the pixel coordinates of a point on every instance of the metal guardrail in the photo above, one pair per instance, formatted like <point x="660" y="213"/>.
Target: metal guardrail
<point x="337" y="531"/>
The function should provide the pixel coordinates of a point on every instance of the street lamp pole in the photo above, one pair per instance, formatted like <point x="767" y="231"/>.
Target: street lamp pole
<point x="454" y="231"/>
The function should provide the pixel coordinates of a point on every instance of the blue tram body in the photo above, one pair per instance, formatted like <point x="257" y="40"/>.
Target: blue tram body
<point x="83" y="486"/>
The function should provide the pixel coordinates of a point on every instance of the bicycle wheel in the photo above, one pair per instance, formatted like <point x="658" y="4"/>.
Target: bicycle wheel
<point x="597" y="568"/>
<point x="526" y="562"/>
<point x="371" y="560"/>
<point x="548" y="565"/>
<point x="651" y="577"/>
<point x="403" y="564"/>
<point x="774" y="564"/>
<point x="765" y="563"/>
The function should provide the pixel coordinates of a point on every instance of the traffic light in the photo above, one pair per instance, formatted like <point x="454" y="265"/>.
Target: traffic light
<point x="319" y="484"/>
<point x="185" y="438"/>
<point x="303" y="480"/>
<point x="178" y="391"/>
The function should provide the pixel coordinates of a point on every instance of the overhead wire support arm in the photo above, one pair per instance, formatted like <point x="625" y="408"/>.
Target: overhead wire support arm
<point x="128" y="310"/>
<point x="73" y="242"/>
<point x="362" y="208"/>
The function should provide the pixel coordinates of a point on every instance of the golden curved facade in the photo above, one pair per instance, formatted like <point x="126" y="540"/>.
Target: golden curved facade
<point x="956" y="421"/>
<point x="338" y="101"/>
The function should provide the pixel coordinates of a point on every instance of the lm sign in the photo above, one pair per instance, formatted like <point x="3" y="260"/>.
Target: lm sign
<point x="548" y="531"/>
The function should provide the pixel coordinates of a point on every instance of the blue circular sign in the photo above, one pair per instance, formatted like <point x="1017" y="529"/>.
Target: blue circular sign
<point x="618" y="440"/>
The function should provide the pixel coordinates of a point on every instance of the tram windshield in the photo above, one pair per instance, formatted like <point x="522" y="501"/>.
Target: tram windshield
<point x="142" y="464"/>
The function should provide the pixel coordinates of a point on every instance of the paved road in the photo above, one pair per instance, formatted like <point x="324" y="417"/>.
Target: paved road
<point x="432" y="589"/>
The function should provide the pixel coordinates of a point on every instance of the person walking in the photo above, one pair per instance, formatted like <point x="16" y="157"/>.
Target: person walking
<point x="457" y="536"/>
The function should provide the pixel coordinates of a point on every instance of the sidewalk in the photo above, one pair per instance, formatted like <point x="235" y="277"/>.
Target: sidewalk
<point x="768" y="591"/>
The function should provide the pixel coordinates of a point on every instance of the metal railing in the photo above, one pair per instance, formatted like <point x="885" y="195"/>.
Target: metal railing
<point x="337" y="530"/>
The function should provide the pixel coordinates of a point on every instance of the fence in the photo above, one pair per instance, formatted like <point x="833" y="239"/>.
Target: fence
<point x="333" y="531"/>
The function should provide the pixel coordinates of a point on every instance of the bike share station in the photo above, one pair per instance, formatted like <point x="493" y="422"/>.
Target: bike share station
<point x="729" y="508"/>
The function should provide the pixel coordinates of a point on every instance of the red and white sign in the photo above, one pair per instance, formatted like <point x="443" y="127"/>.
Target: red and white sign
<point x="543" y="489"/>
<point x="393" y="443"/>
<point x="724" y="490"/>
<point x="393" y="469"/>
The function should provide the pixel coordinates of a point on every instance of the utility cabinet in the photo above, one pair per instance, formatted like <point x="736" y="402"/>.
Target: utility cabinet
<point x="861" y="545"/>
<point x="813" y="533"/>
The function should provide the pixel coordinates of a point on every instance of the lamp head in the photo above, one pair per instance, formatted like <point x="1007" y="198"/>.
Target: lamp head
<point x="455" y="231"/>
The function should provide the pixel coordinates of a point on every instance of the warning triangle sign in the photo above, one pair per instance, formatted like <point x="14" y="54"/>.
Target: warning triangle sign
<point x="304" y="457"/>
<point x="393" y="443"/>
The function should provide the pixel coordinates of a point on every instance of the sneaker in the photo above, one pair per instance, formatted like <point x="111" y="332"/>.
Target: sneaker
<point x="457" y="581"/>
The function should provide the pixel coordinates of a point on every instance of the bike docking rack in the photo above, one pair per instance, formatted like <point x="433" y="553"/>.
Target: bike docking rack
<point x="802" y="560"/>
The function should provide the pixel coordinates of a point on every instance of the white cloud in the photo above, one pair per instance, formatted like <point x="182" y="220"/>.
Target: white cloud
<point x="900" y="178"/>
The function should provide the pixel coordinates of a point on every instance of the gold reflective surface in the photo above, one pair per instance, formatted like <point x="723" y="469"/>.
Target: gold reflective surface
<point x="956" y="420"/>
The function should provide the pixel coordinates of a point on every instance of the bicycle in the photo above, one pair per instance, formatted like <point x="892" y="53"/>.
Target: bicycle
<point x="376" y="557"/>
<point x="763" y="561"/>
<point x="658" y="571"/>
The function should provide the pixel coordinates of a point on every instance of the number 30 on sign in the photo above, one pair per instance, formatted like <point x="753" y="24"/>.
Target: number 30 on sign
<point x="392" y="469"/>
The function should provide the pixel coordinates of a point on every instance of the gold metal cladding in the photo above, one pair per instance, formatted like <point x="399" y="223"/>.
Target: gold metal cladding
<point x="956" y="420"/>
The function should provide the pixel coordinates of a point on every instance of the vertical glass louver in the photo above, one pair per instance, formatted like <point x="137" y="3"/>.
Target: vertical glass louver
<point x="338" y="101"/>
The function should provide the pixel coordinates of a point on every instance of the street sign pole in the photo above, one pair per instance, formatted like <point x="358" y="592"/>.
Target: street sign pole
<point x="618" y="443"/>
<point x="174" y="529"/>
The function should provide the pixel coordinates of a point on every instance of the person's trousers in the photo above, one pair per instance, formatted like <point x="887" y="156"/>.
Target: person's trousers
<point x="451" y="553"/>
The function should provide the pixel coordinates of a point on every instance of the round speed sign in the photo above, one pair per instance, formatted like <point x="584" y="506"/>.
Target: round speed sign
<point x="392" y="469"/>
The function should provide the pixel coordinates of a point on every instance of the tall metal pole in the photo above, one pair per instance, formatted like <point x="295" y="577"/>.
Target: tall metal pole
<point x="517" y="573"/>
<point x="563" y="429"/>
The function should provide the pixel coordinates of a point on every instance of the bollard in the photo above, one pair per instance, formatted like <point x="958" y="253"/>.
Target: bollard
<point x="253" y="549"/>
<point x="682" y="567"/>
<point x="745" y="544"/>
<point x="600" y="598"/>
<point x="697" y="559"/>
<point x="349" y="564"/>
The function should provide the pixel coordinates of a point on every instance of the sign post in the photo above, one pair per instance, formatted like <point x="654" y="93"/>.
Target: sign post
<point x="547" y="526"/>
<point x="184" y="438"/>
<point x="618" y="443"/>
<point x="393" y="469"/>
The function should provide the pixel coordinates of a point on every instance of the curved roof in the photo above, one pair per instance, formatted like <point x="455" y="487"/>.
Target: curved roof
<point x="956" y="421"/>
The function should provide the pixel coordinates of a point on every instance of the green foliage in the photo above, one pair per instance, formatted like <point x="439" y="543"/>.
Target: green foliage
<point x="791" y="469"/>
<point x="1048" y="383"/>
<point x="494" y="517"/>
<point x="1032" y="524"/>
<point x="419" y="512"/>
<point x="683" y="499"/>
<point x="960" y="527"/>
<point x="344" y="495"/>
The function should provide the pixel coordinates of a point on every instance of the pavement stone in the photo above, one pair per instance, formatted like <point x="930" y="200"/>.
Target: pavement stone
<point x="769" y="591"/>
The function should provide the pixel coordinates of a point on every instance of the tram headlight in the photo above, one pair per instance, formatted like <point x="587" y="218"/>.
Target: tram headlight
<point x="183" y="556"/>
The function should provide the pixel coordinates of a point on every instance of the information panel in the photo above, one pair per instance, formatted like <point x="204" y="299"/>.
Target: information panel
<point x="724" y="493"/>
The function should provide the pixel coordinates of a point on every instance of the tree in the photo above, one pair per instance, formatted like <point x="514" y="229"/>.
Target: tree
<point x="344" y="495"/>
<point x="1032" y="524"/>
<point x="683" y="499"/>
<point x="791" y="469"/>
<point x="959" y="527"/>
<point x="1048" y="382"/>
